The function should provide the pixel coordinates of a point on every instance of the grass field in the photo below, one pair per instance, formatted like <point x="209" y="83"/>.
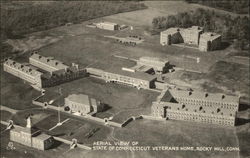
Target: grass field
<point x="89" y="47"/>
<point x="5" y="115"/>
<point x="177" y="133"/>
<point x="123" y="101"/>
<point x="15" y="93"/>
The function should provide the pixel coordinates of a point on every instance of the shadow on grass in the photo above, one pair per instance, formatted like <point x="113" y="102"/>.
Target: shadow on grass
<point x="241" y="121"/>
<point x="55" y="144"/>
<point x="224" y="45"/>
<point x="106" y="107"/>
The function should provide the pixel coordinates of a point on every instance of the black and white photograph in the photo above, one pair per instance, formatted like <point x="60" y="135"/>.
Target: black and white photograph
<point x="125" y="79"/>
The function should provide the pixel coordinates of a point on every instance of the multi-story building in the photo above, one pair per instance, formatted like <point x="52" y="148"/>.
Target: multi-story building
<point x="45" y="79"/>
<point x="180" y="35"/>
<point x="171" y="36"/>
<point x="191" y="35"/>
<point x="159" y="65"/>
<point x="24" y="72"/>
<point x="31" y="137"/>
<point x="137" y="79"/>
<point x="195" y="35"/>
<point x="82" y="104"/>
<point x="209" y="41"/>
<point x="196" y="106"/>
<point x="47" y="63"/>
<point x="107" y="26"/>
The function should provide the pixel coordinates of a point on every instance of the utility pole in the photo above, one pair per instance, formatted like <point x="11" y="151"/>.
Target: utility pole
<point x="58" y="109"/>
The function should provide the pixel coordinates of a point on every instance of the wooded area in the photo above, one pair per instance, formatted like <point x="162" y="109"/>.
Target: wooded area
<point x="236" y="6"/>
<point x="18" y="18"/>
<point x="229" y="27"/>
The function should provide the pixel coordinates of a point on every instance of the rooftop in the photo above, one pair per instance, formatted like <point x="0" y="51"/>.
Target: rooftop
<point x="210" y="36"/>
<point x="50" y="61"/>
<point x="214" y="97"/>
<point x="81" y="98"/>
<point x="110" y="23"/>
<point x="137" y="75"/>
<point x="154" y="59"/>
<point x="18" y="128"/>
<point x="42" y="136"/>
<point x="22" y="67"/>
<point x="171" y="30"/>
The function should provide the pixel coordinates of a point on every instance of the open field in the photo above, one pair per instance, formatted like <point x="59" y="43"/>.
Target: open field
<point x="5" y="115"/>
<point x="122" y="101"/>
<point x="157" y="8"/>
<point x="89" y="47"/>
<point x="15" y="93"/>
<point x="177" y="133"/>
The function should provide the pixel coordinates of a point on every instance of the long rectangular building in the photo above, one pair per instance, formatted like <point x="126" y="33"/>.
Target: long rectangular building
<point x="107" y="26"/>
<point x="159" y="65"/>
<point x="47" y="63"/>
<point x="22" y="71"/>
<point x="196" y="106"/>
<point x="137" y="79"/>
<point x="40" y="80"/>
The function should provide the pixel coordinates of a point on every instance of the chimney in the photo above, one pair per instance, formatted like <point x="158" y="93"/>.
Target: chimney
<point x="190" y="93"/>
<point x="206" y="94"/>
<point x="223" y="96"/>
<point x="29" y="122"/>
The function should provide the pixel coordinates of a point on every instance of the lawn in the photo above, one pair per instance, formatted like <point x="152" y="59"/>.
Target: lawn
<point x="177" y="133"/>
<point x="5" y="115"/>
<point x="122" y="101"/>
<point x="15" y="93"/>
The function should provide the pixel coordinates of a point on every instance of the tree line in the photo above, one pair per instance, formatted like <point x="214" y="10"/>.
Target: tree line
<point x="21" y="17"/>
<point x="236" y="6"/>
<point x="231" y="28"/>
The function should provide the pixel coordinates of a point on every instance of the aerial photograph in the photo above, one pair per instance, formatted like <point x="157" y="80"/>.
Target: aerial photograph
<point x="125" y="79"/>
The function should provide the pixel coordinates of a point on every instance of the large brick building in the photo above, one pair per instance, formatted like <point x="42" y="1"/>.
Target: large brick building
<point x="51" y="73"/>
<point x="107" y="26"/>
<point x="23" y="71"/>
<point x="171" y="36"/>
<point x="137" y="79"/>
<point x="150" y="64"/>
<point x="82" y="104"/>
<point x="196" y="106"/>
<point x="193" y="36"/>
<point x="47" y="63"/>
<point x="31" y="137"/>
<point x="209" y="41"/>
<point x="159" y="65"/>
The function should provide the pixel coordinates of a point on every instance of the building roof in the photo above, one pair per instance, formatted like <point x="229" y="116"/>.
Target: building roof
<point x="42" y="137"/>
<point x="25" y="68"/>
<point x="82" y="99"/>
<point x="142" y="68"/>
<point x="31" y="131"/>
<point x="154" y="59"/>
<point x="50" y="61"/>
<point x="171" y="30"/>
<point x="213" y="97"/>
<point x="195" y="108"/>
<point x="209" y="36"/>
<point x="137" y="75"/>
<point x="169" y="99"/>
<point x="109" y="23"/>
